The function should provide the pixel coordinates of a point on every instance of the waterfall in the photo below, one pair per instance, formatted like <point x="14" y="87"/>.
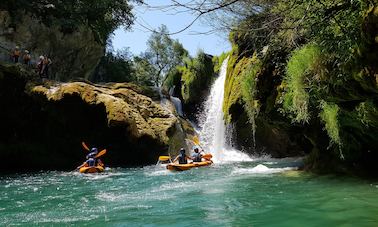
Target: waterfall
<point x="213" y="128"/>
<point x="176" y="102"/>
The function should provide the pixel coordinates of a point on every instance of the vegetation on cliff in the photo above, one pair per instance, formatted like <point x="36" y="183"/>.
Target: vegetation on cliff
<point x="313" y="76"/>
<point x="192" y="80"/>
<point x="102" y="16"/>
<point x="71" y="33"/>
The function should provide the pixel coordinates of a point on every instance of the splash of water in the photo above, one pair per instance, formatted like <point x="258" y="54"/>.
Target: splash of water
<point x="213" y="133"/>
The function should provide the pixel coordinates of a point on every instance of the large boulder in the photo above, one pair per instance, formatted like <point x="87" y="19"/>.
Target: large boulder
<point x="43" y="125"/>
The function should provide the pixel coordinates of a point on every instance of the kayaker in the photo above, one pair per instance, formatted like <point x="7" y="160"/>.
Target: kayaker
<point x="197" y="156"/>
<point x="91" y="159"/>
<point x="182" y="157"/>
<point x="94" y="152"/>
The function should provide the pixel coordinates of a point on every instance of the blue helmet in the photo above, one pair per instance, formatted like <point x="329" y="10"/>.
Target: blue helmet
<point x="94" y="150"/>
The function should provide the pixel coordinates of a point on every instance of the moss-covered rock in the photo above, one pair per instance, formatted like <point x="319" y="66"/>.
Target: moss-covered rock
<point x="307" y="100"/>
<point x="196" y="79"/>
<point x="43" y="125"/>
<point x="232" y="90"/>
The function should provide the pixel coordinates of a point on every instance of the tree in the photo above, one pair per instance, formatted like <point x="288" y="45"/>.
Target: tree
<point x="102" y="16"/>
<point x="116" y="67"/>
<point x="163" y="54"/>
<point x="144" y="71"/>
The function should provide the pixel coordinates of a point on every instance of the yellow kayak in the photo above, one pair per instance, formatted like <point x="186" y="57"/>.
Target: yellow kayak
<point x="91" y="169"/>
<point x="182" y="167"/>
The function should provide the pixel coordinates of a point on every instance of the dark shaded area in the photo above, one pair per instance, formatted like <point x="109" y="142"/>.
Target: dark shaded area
<point x="39" y="134"/>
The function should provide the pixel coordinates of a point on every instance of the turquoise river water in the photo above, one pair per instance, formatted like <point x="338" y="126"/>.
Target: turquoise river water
<point x="255" y="193"/>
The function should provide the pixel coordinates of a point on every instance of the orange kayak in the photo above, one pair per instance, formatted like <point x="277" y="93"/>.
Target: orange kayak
<point x="183" y="167"/>
<point x="91" y="169"/>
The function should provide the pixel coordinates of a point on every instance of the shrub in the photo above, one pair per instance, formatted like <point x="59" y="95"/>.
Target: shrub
<point x="299" y="69"/>
<point x="329" y="116"/>
<point x="197" y="75"/>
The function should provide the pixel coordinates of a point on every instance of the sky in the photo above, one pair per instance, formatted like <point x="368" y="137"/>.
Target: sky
<point x="136" y="38"/>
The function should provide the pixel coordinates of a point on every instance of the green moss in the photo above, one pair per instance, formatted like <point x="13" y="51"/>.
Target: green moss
<point x="248" y="85"/>
<point x="367" y="113"/>
<point x="173" y="78"/>
<point x="218" y="60"/>
<point x="329" y="116"/>
<point x="299" y="68"/>
<point x="234" y="78"/>
<point x="197" y="75"/>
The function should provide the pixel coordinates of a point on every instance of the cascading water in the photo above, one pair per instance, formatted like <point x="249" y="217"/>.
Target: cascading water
<point x="213" y="129"/>
<point x="176" y="102"/>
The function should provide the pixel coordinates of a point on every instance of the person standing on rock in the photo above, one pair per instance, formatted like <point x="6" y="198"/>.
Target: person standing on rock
<point x="40" y="65"/>
<point x="45" y="66"/>
<point x="26" y="57"/>
<point x="16" y="54"/>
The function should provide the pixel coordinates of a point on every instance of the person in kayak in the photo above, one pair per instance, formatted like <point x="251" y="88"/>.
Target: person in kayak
<point x="91" y="159"/>
<point x="182" y="157"/>
<point x="197" y="156"/>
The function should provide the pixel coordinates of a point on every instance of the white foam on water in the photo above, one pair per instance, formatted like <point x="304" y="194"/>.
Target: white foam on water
<point x="232" y="155"/>
<point x="261" y="169"/>
<point x="161" y="172"/>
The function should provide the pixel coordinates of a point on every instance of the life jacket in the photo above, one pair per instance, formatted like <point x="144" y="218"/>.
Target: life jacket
<point x="16" y="53"/>
<point x="46" y="61"/>
<point x="196" y="157"/>
<point x="27" y="57"/>
<point x="91" y="155"/>
<point x="91" y="162"/>
<point x="182" y="159"/>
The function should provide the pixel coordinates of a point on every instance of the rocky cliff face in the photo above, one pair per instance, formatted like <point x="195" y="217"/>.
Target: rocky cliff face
<point x="43" y="125"/>
<point x="296" y="102"/>
<point x="269" y="133"/>
<point x="74" y="54"/>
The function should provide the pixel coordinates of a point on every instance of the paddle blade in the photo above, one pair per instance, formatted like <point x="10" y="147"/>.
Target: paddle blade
<point x="85" y="146"/>
<point x="164" y="158"/>
<point x="196" y="140"/>
<point x="101" y="153"/>
<point x="207" y="156"/>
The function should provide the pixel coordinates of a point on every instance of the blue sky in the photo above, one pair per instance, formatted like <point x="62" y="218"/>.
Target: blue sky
<point x="136" y="39"/>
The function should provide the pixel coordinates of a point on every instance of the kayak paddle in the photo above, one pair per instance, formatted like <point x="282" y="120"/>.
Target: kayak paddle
<point x="85" y="146"/>
<point x="207" y="156"/>
<point x="197" y="142"/>
<point x="164" y="158"/>
<point x="101" y="153"/>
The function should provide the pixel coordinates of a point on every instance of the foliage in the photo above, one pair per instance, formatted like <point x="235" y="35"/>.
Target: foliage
<point x="144" y="71"/>
<point x="368" y="114"/>
<point x="163" y="53"/>
<point x="299" y="70"/>
<point x="249" y="90"/>
<point x="103" y="16"/>
<point x="329" y="116"/>
<point x="173" y="78"/>
<point x="218" y="60"/>
<point x="115" y="68"/>
<point x="197" y="74"/>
